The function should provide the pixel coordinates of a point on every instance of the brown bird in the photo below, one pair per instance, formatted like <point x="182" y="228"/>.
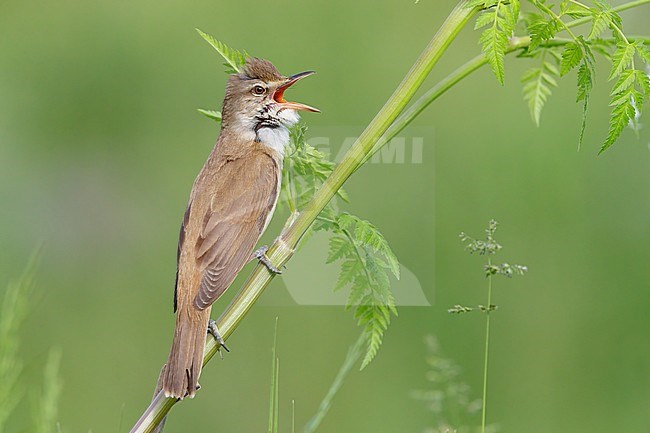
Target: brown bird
<point x="231" y="203"/>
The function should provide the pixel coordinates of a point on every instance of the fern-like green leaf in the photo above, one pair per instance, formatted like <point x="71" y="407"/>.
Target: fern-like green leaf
<point x="571" y="57"/>
<point x="621" y="59"/>
<point x="625" y="81"/>
<point x="340" y="247"/>
<point x="210" y="114"/>
<point x="574" y="10"/>
<point x="375" y="320"/>
<point x="541" y="29"/>
<point x="538" y="82"/>
<point x="235" y="60"/>
<point x="14" y="306"/>
<point x="45" y="414"/>
<point x="350" y="269"/>
<point x="600" y="22"/>
<point x="499" y="24"/>
<point x="642" y="51"/>
<point x="643" y="81"/>
<point x="629" y="92"/>
<point x="367" y="261"/>
<point x="585" y="84"/>
<point x="623" y="113"/>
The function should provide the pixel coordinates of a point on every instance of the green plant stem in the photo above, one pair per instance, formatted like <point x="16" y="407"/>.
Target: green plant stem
<point x="378" y="133"/>
<point x="354" y="354"/>
<point x="295" y="228"/>
<point x="487" y="350"/>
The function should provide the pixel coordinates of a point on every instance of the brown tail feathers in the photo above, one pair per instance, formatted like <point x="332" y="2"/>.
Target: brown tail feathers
<point x="181" y="374"/>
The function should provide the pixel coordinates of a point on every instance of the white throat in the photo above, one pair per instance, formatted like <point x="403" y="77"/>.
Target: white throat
<point x="278" y="138"/>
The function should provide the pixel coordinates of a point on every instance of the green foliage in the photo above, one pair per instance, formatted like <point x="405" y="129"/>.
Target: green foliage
<point x="14" y="308"/>
<point x="460" y="309"/>
<point x="234" y="59"/>
<point x="365" y="256"/>
<point x="487" y="247"/>
<point x="538" y="82"/>
<point x="630" y="90"/>
<point x="540" y="29"/>
<point x="447" y="396"/>
<point x="13" y="312"/>
<point x="210" y="114"/>
<point x="571" y="57"/>
<point x="498" y="20"/>
<point x="354" y="353"/>
<point x="46" y="405"/>
<point x="543" y="26"/>
<point x="305" y="169"/>
<point x="367" y="260"/>
<point x="622" y="59"/>
<point x="274" y="400"/>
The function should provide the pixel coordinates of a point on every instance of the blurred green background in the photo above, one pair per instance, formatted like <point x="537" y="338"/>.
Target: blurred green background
<point x="99" y="145"/>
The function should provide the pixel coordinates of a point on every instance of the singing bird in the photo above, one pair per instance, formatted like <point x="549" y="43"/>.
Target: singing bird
<point x="231" y="203"/>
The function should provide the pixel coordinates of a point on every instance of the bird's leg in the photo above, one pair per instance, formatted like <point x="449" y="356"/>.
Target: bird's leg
<point x="260" y="254"/>
<point x="214" y="331"/>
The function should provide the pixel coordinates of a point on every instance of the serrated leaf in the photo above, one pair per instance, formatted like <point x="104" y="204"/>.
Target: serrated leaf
<point x="621" y="59"/>
<point x="643" y="81"/>
<point x="494" y="47"/>
<point x="621" y="116"/>
<point x="499" y="25"/>
<point x="643" y="52"/>
<point x="575" y="11"/>
<point x="339" y="247"/>
<point x="538" y="82"/>
<point x="571" y="57"/>
<point x="540" y="29"/>
<point x="627" y="103"/>
<point x="515" y="10"/>
<point x="349" y="270"/>
<point x="585" y="84"/>
<point x="375" y="320"/>
<point x="600" y="22"/>
<point x="625" y="81"/>
<point x="484" y="19"/>
<point x="211" y="114"/>
<point x="235" y="60"/>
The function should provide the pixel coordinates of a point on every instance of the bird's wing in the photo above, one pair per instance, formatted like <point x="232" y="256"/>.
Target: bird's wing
<point x="181" y="241"/>
<point x="233" y="223"/>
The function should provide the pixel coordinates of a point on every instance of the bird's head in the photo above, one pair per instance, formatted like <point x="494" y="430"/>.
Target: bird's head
<point x="255" y="98"/>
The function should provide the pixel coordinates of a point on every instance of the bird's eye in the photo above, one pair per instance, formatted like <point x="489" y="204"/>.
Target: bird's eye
<point x="258" y="90"/>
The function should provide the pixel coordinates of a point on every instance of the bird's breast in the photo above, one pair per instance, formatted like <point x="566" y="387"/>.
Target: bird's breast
<point x="275" y="138"/>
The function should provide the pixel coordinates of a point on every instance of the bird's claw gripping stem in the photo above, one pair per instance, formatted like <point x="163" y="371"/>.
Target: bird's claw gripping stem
<point x="214" y="331"/>
<point x="260" y="254"/>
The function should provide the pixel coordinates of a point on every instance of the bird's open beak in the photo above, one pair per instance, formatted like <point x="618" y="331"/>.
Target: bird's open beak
<point x="278" y="95"/>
